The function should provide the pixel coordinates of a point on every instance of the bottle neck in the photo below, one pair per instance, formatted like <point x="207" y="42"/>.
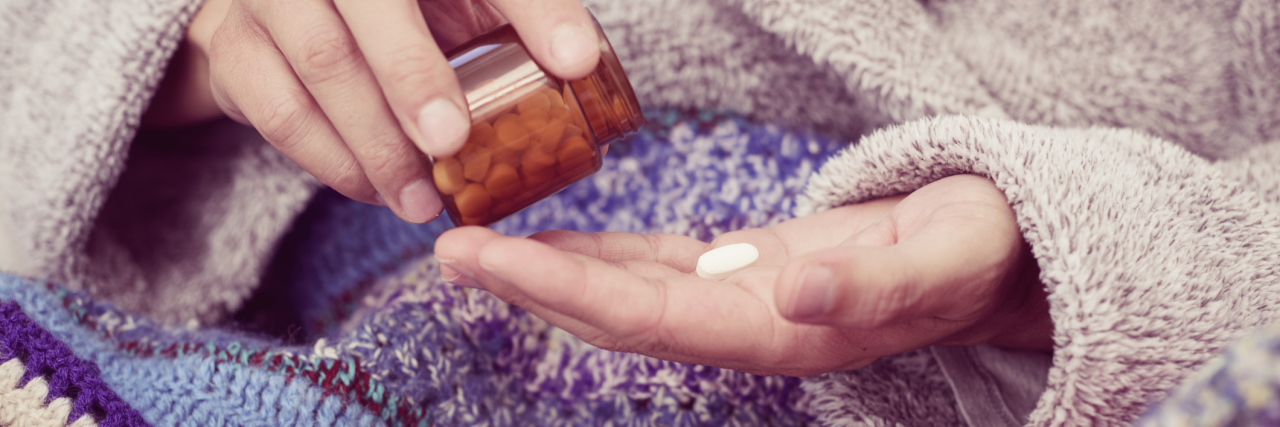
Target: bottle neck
<point x="608" y="102"/>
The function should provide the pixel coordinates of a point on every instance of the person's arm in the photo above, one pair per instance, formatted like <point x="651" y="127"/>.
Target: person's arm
<point x="1147" y="258"/>
<point x="836" y="290"/>
<point x="1152" y="258"/>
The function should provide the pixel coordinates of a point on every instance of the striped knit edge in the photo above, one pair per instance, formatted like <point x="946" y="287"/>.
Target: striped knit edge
<point x="26" y="406"/>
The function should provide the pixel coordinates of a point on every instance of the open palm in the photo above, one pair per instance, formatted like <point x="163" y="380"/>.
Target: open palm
<point x="831" y="291"/>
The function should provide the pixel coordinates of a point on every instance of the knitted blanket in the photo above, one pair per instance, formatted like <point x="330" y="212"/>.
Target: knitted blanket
<point x="1136" y="141"/>
<point x="380" y="339"/>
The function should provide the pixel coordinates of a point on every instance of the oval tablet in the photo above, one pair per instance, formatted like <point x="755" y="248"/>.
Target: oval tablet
<point x="472" y="201"/>
<point x="448" y="175"/>
<point x="533" y="102"/>
<point x="722" y="262"/>
<point x="503" y="181"/>
<point x="476" y="166"/>
<point x="481" y="134"/>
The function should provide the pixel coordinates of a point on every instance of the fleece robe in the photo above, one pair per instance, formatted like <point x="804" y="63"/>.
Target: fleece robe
<point x="1135" y="140"/>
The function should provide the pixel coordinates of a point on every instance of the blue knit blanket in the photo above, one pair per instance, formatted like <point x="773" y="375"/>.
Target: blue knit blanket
<point x="353" y="325"/>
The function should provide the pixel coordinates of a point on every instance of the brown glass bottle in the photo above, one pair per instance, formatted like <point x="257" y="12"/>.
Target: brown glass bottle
<point x="532" y="134"/>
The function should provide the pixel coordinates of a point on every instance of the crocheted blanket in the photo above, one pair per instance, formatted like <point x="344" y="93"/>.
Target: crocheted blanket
<point x="352" y="325"/>
<point x="355" y="327"/>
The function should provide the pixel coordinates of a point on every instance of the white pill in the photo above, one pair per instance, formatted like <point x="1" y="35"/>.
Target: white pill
<point x="722" y="262"/>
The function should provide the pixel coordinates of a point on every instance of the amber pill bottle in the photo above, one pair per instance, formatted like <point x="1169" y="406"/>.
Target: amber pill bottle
<point x="532" y="134"/>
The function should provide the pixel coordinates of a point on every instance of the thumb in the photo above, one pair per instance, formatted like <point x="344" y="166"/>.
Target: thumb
<point x="872" y="281"/>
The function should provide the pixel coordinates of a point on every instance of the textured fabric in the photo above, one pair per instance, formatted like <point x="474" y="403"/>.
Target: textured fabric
<point x="994" y="386"/>
<point x="43" y="383"/>
<point x="1199" y="73"/>
<point x="1202" y="75"/>
<point x="1153" y="259"/>
<point x="167" y="235"/>
<point x="1153" y="256"/>
<point x="1241" y="387"/>
<point x="188" y="220"/>
<point x="77" y="77"/>
<point x="25" y="405"/>
<point x="179" y="377"/>
<point x="387" y="342"/>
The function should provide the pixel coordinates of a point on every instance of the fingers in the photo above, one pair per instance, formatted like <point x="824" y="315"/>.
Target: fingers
<point x="948" y="263"/>
<point x="377" y="90"/>
<point x="459" y="265"/>
<point x="254" y="84"/>
<point x="675" y="316"/>
<point x="455" y="22"/>
<point x="674" y="251"/>
<point x="853" y="286"/>
<point x="558" y="33"/>
<point x="418" y="83"/>
<point x="456" y="251"/>
<point x="328" y="61"/>
<point x="829" y="228"/>
<point x="520" y="269"/>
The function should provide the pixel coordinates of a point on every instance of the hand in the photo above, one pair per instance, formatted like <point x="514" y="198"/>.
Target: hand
<point x="945" y="265"/>
<point x="355" y="91"/>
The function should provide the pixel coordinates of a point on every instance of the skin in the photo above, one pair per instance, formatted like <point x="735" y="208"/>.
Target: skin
<point x="355" y="92"/>
<point x="944" y="265"/>
<point x="342" y="88"/>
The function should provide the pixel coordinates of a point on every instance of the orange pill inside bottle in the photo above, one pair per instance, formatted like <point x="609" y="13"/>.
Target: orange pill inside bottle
<point x="533" y="134"/>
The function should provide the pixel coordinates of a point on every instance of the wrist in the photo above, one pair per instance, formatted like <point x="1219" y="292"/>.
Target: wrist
<point x="1027" y="324"/>
<point x="1019" y="319"/>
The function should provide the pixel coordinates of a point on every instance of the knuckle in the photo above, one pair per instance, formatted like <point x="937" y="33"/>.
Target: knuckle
<point x="387" y="156"/>
<point x="880" y="296"/>
<point x="233" y="32"/>
<point x="327" y="54"/>
<point x="889" y="303"/>
<point x="346" y="177"/>
<point x="225" y="43"/>
<point x="282" y="121"/>
<point x="221" y="42"/>
<point x="411" y="66"/>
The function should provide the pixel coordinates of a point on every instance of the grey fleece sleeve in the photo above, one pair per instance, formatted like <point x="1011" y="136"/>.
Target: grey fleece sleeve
<point x="1258" y="169"/>
<point x="1152" y="257"/>
<point x="156" y="227"/>
<point x="710" y="54"/>
<point x="76" y="78"/>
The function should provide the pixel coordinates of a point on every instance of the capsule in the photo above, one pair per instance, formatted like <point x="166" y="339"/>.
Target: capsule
<point x="724" y="261"/>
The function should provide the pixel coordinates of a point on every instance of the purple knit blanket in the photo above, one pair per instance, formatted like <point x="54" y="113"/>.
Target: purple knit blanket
<point x="353" y="326"/>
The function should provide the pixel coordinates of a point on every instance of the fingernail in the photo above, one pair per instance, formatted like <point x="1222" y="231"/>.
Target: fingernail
<point x="420" y="201"/>
<point x="571" y="44"/>
<point x="381" y="201"/>
<point x="443" y="127"/>
<point x="817" y="293"/>
<point x="455" y="273"/>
